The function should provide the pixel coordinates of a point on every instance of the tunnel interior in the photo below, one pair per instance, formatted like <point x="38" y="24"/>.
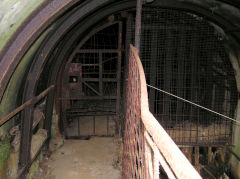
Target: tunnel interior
<point x="183" y="51"/>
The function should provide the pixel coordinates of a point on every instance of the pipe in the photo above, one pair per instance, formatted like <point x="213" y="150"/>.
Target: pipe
<point x="138" y="24"/>
<point x="27" y="103"/>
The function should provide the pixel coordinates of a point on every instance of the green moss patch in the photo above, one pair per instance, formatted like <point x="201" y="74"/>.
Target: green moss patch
<point x="12" y="14"/>
<point x="4" y="151"/>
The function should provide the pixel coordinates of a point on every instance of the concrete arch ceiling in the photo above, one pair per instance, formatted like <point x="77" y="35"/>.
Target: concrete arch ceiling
<point x="75" y="14"/>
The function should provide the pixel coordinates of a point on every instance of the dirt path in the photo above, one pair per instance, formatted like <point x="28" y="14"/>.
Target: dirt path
<point x="85" y="159"/>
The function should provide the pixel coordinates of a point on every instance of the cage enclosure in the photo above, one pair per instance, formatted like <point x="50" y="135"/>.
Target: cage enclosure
<point x="181" y="52"/>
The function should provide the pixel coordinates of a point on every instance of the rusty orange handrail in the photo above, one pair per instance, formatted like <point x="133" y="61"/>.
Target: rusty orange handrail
<point x="179" y="164"/>
<point x="24" y="105"/>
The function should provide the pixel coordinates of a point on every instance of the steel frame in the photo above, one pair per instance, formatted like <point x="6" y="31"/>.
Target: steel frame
<point x="40" y="62"/>
<point x="77" y="69"/>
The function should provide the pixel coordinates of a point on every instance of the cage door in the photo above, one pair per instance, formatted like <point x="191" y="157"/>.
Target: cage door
<point x="91" y="84"/>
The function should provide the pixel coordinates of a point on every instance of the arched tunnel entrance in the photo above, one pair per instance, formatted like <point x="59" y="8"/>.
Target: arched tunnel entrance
<point x="185" y="49"/>
<point x="181" y="53"/>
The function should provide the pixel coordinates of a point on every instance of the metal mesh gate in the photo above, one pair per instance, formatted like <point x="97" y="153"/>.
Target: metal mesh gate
<point x="182" y="54"/>
<point x="91" y="83"/>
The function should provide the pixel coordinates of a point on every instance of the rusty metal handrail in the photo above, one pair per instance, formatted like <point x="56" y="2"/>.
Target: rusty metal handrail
<point x="33" y="100"/>
<point x="178" y="163"/>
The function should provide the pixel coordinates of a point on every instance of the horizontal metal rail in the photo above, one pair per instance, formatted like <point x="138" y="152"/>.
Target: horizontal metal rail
<point x="33" y="100"/>
<point x="176" y="160"/>
<point x="30" y="102"/>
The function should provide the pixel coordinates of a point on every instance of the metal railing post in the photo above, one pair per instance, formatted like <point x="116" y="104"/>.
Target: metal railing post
<point x="138" y="24"/>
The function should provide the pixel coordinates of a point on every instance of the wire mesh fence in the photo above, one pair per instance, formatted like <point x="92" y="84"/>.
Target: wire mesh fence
<point x="134" y="149"/>
<point x="146" y="143"/>
<point x="183" y="54"/>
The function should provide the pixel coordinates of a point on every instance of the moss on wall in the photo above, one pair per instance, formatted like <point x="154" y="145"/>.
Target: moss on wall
<point x="4" y="151"/>
<point x="9" y="101"/>
<point x="34" y="167"/>
<point x="12" y="165"/>
<point x="12" y="14"/>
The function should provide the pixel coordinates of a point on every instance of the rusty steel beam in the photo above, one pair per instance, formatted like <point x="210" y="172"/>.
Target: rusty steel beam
<point x="26" y="34"/>
<point x="53" y="39"/>
<point x="47" y="47"/>
<point x="26" y="135"/>
<point x="22" y="171"/>
<point x="138" y="24"/>
<point x="26" y="104"/>
<point x="32" y="27"/>
<point x="119" y="62"/>
<point x="48" y="113"/>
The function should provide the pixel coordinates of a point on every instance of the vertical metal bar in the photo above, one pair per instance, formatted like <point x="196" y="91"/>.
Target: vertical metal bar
<point x="126" y="67"/>
<point x="49" y="111"/>
<point x="78" y="126"/>
<point x="168" y="76"/>
<point x="153" y="67"/>
<point x="107" y="125"/>
<point x="80" y="80"/>
<point x="196" y="156"/>
<point x="94" y="124"/>
<point x="119" y="66"/>
<point x="180" y="79"/>
<point x="64" y="119"/>
<point x="209" y="155"/>
<point x="26" y="136"/>
<point x="138" y="24"/>
<point x="100" y="74"/>
<point x="194" y="86"/>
